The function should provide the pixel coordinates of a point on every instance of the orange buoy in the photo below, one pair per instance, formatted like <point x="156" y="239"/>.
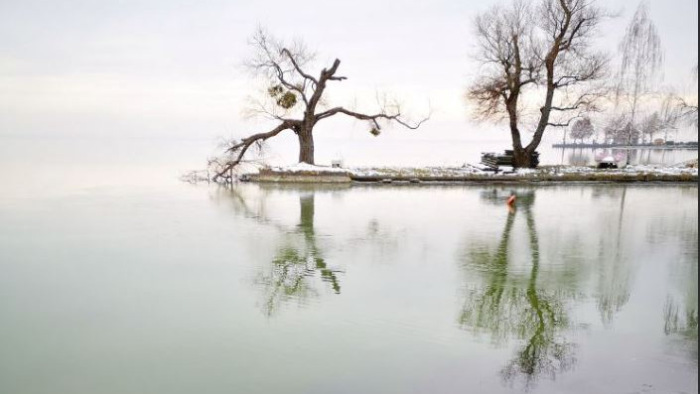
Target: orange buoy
<point x="511" y="200"/>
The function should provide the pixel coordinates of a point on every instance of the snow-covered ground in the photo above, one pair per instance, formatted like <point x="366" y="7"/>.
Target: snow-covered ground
<point x="508" y="172"/>
<point x="629" y="170"/>
<point x="470" y="170"/>
<point x="418" y="171"/>
<point x="303" y="167"/>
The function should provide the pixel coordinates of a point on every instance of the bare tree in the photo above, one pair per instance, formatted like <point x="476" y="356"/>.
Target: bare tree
<point x="688" y="109"/>
<point x="542" y="49"/>
<point x="670" y="113"/>
<point x="619" y="130"/>
<point x="294" y="99"/>
<point x="658" y="122"/>
<point x="650" y="126"/>
<point x="582" y="129"/>
<point x="642" y="58"/>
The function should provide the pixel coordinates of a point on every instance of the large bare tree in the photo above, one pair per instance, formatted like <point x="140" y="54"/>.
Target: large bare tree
<point x="537" y="50"/>
<point x="294" y="100"/>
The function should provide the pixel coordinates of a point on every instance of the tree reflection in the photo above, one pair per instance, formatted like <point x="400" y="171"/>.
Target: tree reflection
<point x="681" y="307"/>
<point x="298" y="263"/>
<point x="579" y="157"/>
<point x="615" y="270"/>
<point x="681" y="318"/>
<point x="512" y="303"/>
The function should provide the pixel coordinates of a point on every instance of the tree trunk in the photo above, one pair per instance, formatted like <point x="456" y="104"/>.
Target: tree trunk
<point x="521" y="158"/>
<point x="306" y="147"/>
<point x="546" y="109"/>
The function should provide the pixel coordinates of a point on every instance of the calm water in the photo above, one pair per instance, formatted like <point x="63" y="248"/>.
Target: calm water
<point x="586" y="156"/>
<point x="386" y="289"/>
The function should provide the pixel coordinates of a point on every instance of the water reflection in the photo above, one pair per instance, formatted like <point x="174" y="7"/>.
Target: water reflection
<point x="578" y="156"/>
<point x="614" y="268"/>
<point x="586" y="156"/>
<point x="526" y="281"/>
<point x="513" y="303"/>
<point x="533" y="277"/>
<point x="681" y="318"/>
<point x="296" y="265"/>
<point x="681" y="307"/>
<point x="299" y="261"/>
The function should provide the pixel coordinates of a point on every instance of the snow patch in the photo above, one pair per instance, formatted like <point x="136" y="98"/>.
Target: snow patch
<point x="418" y="171"/>
<point x="629" y="170"/>
<point x="304" y="167"/>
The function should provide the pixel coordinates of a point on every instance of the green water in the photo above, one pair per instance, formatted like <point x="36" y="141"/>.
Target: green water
<point x="384" y="289"/>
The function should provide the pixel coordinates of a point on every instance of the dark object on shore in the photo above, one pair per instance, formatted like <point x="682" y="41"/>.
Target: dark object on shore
<point x="494" y="161"/>
<point x="606" y="165"/>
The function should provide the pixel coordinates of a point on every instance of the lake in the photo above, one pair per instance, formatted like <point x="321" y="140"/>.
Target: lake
<point x="586" y="156"/>
<point x="175" y="288"/>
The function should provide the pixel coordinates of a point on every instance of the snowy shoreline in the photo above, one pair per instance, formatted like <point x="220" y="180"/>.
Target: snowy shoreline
<point x="306" y="173"/>
<point x="480" y="170"/>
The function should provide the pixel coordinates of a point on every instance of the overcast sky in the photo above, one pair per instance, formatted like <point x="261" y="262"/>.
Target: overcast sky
<point x="171" y="67"/>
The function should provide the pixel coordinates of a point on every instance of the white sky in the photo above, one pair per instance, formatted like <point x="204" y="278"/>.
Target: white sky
<point x="170" y="68"/>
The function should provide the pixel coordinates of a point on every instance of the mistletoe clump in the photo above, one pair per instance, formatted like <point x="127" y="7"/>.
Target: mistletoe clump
<point x="285" y="99"/>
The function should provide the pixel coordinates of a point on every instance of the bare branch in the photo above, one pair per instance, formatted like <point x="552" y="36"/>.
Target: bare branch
<point x="566" y="124"/>
<point x="281" y="64"/>
<point x="239" y="149"/>
<point x="292" y="60"/>
<point x="374" y="119"/>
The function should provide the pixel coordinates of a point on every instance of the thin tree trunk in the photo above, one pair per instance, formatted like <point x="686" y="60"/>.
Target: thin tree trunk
<point x="635" y="99"/>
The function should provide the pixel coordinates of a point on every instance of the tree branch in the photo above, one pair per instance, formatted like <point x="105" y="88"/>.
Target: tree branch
<point x="286" y="52"/>
<point x="372" y="118"/>
<point x="240" y="148"/>
<point x="290" y="86"/>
